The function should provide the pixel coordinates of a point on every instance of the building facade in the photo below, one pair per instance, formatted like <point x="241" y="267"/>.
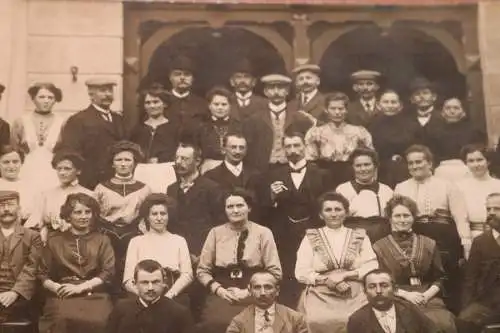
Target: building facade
<point x="452" y="42"/>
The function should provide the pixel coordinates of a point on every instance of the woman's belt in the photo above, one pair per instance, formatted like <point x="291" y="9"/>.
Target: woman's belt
<point x="440" y="216"/>
<point x="234" y="275"/>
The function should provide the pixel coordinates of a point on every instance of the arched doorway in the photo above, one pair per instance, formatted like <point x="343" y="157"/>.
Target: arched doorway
<point x="214" y="53"/>
<point x="401" y="53"/>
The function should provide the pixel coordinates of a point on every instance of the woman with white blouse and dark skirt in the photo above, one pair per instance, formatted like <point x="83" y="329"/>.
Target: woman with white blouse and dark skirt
<point x="231" y="253"/>
<point x="158" y="244"/>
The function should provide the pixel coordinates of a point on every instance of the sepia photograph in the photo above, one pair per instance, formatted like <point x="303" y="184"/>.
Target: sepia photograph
<point x="249" y="166"/>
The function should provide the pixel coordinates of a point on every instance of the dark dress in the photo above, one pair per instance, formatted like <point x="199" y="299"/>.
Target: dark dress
<point x="187" y="110"/>
<point x="160" y="142"/>
<point x="211" y="134"/>
<point x="72" y="259"/>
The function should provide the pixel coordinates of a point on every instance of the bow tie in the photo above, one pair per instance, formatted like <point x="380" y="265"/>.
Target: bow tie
<point x="297" y="170"/>
<point x="374" y="187"/>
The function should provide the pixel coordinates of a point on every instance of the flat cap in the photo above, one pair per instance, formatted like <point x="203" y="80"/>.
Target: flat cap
<point x="421" y="83"/>
<point x="306" y="67"/>
<point x="100" y="82"/>
<point x="276" y="79"/>
<point x="8" y="195"/>
<point x="365" y="74"/>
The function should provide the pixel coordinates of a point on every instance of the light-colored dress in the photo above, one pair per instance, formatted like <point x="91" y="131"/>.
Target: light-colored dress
<point x="170" y="250"/>
<point x="323" y="251"/>
<point x="37" y="135"/>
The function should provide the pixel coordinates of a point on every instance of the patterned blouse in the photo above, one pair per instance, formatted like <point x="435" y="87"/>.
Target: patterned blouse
<point x="331" y="143"/>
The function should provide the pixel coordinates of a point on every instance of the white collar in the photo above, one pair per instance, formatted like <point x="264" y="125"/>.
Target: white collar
<point x="271" y="310"/>
<point x="226" y="118"/>
<point x="277" y="108"/>
<point x="245" y="96"/>
<point x="428" y="113"/>
<point x="146" y="304"/>
<point x="391" y="313"/>
<point x="370" y="101"/>
<point x="310" y="95"/>
<point x="300" y="164"/>
<point x="180" y="95"/>
<point x="98" y="108"/>
<point x="495" y="233"/>
<point x="235" y="169"/>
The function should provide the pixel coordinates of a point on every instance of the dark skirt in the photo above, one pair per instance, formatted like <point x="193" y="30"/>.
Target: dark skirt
<point x="81" y="314"/>
<point x="217" y="313"/>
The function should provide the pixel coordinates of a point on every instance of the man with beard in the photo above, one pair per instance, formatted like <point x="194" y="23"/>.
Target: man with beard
<point x="265" y="315"/>
<point x="481" y="289"/>
<point x="185" y="107"/>
<point x="90" y="132"/>
<point x="309" y="99"/>
<point x="385" y="313"/>
<point x="364" y="107"/>
<point x="150" y="312"/>
<point x="265" y="130"/>
<point x="245" y="103"/>
<point x="288" y="202"/>
<point x="21" y="250"/>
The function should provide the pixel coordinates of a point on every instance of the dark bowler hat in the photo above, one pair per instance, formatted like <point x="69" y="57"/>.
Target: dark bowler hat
<point x="243" y="66"/>
<point x="182" y="63"/>
<point x="365" y="74"/>
<point x="276" y="79"/>
<point x="421" y="83"/>
<point x="2" y="88"/>
<point x="100" y="82"/>
<point x="8" y="195"/>
<point x="306" y="67"/>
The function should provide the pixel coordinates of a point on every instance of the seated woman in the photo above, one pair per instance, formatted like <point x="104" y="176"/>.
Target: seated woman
<point x="332" y="143"/>
<point x="46" y="213"/>
<point x="119" y="199"/>
<point x="158" y="137"/>
<point x="170" y="250"/>
<point x="415" y="263"/>
<point x="367" y="197"/>
<point x="332" y="261"/>
<point x="231" y="253"/>
<point x="453" y="131"/>
<point x="11" y="160"/>
<point x="477" y="186"/>
<point x="75" y="269"/>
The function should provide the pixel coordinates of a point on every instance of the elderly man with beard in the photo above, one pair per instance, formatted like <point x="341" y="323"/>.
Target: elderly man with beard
<point x="309" y="99"/>
<point x="265" y="315"/>
<point x="481" y="289"/>
<point x="149" y="312"/>
<point x="90" y="132"/>
<point x="21" y="250"/>
<point x="385" y="313"/>
<point x="364" y="107"/>
<point x="245" y="102"/>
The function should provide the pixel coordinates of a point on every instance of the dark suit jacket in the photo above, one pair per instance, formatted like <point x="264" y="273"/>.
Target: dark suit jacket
<point x="258" y="131"/>
<point x="87" y="133"/>
<point x="197" y="211"/>
<point x="315" y="107"/>
<point x="482" y="271"/>
<point x="409" y="319"/>
<point x="286" y="321"/>
<point x="227" y="181"/>
<point x="164" y="316"/>
<point x="208" y="139"/>
<point x="257" y="104"/>
<point x="357" y="114"/>
<point x="188" y="110"/>
<point x="24" y="256"/>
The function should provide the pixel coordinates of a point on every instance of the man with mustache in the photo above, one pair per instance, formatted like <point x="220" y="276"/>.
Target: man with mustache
<point x="481" y="288"/>
<point x="288" y="200"/>
<point x="364" y="107"/>
<point x="245" y="102"/>
<point x="309" y="100"/>
<point x="20" y="251"/>
<point x="265" y="315"/>
<point x="185" y="107"/>
<point x="92" y="131"/>
<point x="150" y="312"/>
<point x="384" y="312"/>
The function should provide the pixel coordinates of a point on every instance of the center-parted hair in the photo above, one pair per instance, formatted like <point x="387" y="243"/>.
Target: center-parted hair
<point x="372" y="154"/>
<point x="152" y="200"/>
<point x="401" y="200"/>
<point x="7" y="149"/>
<point x="247" y="195"/>
<point x="331" y="196"/>
<point x="336" y="96"/>
<point x="81" y="198"/>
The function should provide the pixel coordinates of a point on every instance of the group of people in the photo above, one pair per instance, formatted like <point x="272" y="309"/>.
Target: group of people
<point x="243" y="213"/>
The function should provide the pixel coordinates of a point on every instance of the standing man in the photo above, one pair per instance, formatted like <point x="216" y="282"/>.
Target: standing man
<point x="385" y="313"/>
<point x="363" y="108"/>
<point x="481" y="289"/>
<point x="21" y="250"/>
<point x="309" y="99"/>
<point x="265" y="315"/>
<point x="245" y="103"/>
<point x="288" y="204"/>
<point x="265" y="130"/>
<point x="150" y="312"/>
<point x="92" y="131"/>
<point x="4" y="126"/>
<point x="185" y="107"/>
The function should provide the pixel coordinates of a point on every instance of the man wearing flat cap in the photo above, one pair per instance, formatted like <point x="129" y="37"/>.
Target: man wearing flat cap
<point x="185" y="107"/>
<point x="21" y="250"/>
<point x="362" y="109"/>
<point x="4" y="126"/>
<point x="309" y="99"/>
<point x="265" y="130"/>
<point x="92" y="131"/>
<point x="245" y="103"/>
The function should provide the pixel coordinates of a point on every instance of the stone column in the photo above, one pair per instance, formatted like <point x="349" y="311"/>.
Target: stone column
<point x="301" y="42"/>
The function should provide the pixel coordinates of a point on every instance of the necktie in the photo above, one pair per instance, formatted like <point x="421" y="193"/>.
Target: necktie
<point x="277" y="114"/>
<point x="368" y="107"/>
<point x="107" y="117"/>
<point x="304" y="99"/>
<point x="266" y="316"/>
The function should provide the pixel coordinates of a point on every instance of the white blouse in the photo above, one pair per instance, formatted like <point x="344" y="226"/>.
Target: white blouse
<point x="475" y="192"/>
<point x="365" y="203"/>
